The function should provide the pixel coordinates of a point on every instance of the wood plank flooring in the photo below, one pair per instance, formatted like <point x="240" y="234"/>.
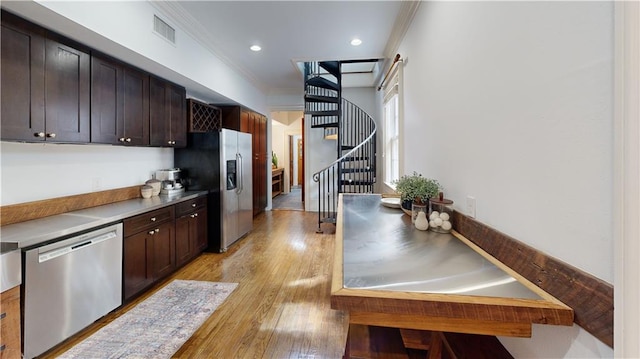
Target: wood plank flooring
<point x="281" y="307"/>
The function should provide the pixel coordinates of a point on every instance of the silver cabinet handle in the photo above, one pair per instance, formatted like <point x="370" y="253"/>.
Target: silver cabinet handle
<point x="195" y="215"/>
<point x="121" y="139"/>
<point x="153" y="219"/>
<point x="128" y="139"/>
<point x="39" y="134"/>
<point x="193" y="205"/>
<point x="157" y="230"/>
<point x="51" y="135"/>
<point x="151" y="232"/>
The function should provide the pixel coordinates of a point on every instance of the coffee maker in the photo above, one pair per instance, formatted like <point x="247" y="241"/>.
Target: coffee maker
<point x="171" y="181"/>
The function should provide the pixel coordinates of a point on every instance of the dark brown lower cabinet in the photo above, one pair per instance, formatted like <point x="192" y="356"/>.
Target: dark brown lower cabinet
<point x="191" y="236"/>
<point x="191" y="229"/>
<point x="155" y="244"/>
<point x="149" y="249"/>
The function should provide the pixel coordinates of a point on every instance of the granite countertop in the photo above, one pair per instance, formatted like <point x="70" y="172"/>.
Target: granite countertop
<point x="39" y="231"/>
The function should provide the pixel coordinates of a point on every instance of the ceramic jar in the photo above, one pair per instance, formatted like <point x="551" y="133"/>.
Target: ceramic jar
<point x="155" y="184"/>
<point x="146" y="191"/>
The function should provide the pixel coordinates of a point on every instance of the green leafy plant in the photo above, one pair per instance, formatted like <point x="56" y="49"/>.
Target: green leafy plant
<point x="411" y="187"/>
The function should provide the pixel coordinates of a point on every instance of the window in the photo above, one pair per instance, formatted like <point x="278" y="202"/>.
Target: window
<point x="392" y="121"/>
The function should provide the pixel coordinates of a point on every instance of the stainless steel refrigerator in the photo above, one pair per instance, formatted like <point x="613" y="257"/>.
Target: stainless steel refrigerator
<point x="220" y="162"/>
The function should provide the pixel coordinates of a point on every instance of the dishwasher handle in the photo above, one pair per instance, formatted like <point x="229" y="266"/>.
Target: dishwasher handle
<point x="70" y="248"/>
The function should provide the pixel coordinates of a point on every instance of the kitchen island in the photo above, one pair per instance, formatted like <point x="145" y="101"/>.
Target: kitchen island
<point x="389" y="274"/>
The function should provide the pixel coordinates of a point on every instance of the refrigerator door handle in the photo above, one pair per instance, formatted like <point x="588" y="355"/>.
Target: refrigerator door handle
<point x="240" y="180"/>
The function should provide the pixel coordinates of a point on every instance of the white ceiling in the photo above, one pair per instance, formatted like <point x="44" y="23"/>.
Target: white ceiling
<point x="290" y="32"/>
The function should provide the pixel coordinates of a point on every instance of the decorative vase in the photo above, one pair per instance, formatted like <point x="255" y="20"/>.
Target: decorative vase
<point x="421" y="221"/>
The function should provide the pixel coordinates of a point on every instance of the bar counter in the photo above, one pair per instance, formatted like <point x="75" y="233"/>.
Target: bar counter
<point x="387" y="273"/>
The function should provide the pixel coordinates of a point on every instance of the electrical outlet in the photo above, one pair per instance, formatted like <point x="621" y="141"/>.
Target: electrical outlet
<point x="471" y="206"/>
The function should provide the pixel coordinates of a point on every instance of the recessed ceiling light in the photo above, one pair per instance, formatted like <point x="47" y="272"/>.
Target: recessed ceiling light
<point x="255" y="48"/>
<point x="356" y="42"/>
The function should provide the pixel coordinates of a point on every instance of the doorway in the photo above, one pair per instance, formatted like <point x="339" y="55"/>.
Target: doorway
<point x="288" y="145"/>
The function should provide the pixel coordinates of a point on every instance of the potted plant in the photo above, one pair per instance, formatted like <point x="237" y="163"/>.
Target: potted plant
<point x="416" y="187"/>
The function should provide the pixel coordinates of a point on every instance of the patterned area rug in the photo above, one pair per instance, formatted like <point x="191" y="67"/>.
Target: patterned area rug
<point x="157" y="327"/>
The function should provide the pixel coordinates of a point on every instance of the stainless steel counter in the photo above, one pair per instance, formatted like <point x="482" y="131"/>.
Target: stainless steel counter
<point x="387" y="273"/>
<point x="384" y="251"/>
<point x="38" y="231"/>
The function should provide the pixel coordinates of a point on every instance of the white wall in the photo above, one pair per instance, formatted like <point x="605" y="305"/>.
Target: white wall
<point x="33" y="172"/>
<point x="511" y="102"/>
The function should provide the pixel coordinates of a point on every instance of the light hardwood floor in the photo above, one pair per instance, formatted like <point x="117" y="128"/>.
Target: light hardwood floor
<point x="281" y="307"/>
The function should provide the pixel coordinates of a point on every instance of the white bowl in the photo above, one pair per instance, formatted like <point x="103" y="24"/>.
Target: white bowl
<point x="391" y="202"/>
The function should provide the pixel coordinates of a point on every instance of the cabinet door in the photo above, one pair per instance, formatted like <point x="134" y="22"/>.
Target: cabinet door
<point x="135" y="106"/>
<point x="177" y="116"/>
<point x="158" y="115"/>
<point x="107" y="125"/>
<point x="137" y="263"/>
<point x="10" y="323"/>
<point x="201" y="232"/>
<point x="246" y="121"/>
<point x="164" y="250"/>
<point x="67" y="89"/>
<point x="168" y="117"/>
<point x="184" y="247"/>
<point x="22" y="77"/>
<point x="263" y="160"/>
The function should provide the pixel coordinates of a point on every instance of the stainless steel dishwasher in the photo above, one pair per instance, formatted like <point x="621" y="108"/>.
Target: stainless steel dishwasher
<point x="68" y="285"/>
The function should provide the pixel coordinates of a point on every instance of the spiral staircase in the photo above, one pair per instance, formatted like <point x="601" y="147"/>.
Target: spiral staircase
<point x="354" y="170"/>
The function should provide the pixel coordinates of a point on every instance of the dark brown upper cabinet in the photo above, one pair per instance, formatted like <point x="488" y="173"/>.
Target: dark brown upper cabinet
<point x="119" y="103"/>
<point x="45" y="85"/>
<point x="167" y="111"/>
<point x="22" y="80"/>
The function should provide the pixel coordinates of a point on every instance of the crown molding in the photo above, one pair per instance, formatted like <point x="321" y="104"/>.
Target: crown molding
<point x="400" y="27"/>
<point x="199" y="33"/>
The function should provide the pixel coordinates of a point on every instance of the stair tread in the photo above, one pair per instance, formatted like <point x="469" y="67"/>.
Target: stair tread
<point x="329" y="220"/>
<point x="319" y="98"/>
<point x="325" y="125"/>
<point x="332" y="66"/>
<point x="357" y="170"/>
<point x="323" y="83"/>
<point x="355" y="158"/>
<point x="323" y="113"/>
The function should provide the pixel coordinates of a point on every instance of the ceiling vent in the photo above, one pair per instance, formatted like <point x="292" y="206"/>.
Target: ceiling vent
<point x="163" y="29"/>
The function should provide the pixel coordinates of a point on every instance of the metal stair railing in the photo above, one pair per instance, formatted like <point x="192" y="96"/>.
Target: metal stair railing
<point x="355" y="170"/>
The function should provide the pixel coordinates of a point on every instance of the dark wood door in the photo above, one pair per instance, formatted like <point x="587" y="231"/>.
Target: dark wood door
<point x="201" y="231"/>
<point x="168" y="117"/>
<point x="137" y="263"/>
<point x="184" y="248"/>
<point x="67" y="89"/>
<point x="158" y="116"/>
<point x="164" y="250"/>
<point x="135" y="106"/>
<point x="177" y="116"/>
<point x="107" y="125"/>
<point x="22" y="80"/>
<point x="261" y="160"/>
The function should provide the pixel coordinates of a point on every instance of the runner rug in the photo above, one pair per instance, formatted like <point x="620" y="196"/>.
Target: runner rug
<point x="158" y="326"/>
